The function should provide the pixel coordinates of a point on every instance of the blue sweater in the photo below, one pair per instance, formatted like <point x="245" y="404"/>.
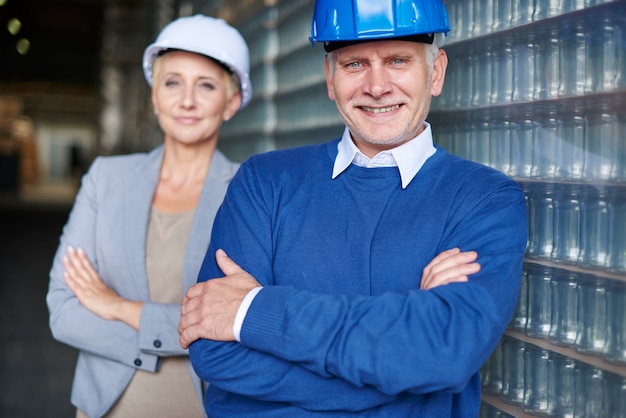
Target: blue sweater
<point x="341" y="327"/>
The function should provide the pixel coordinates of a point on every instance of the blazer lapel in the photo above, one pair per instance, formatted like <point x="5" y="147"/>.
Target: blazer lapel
<point x="138" y="202"/>
<point x="220" y="173"/>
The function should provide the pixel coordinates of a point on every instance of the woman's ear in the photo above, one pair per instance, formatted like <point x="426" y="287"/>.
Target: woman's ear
<point x="232" y="106"/>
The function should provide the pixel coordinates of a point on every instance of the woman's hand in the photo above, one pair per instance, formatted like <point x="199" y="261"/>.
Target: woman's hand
<point x="450" y="266"/>
<point x="94" y="294"/>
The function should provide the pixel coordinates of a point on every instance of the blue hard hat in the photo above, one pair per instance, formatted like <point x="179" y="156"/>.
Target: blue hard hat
<point x="346" y="21"/>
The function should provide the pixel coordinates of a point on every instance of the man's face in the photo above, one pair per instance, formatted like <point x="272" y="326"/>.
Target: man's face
<point x="383" y="89"/>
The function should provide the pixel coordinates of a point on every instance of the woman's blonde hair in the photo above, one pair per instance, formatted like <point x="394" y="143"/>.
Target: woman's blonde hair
<point x="233" y="81"/>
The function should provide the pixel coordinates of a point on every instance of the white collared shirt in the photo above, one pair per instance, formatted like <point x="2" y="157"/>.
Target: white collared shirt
<point x="408" y="157"/>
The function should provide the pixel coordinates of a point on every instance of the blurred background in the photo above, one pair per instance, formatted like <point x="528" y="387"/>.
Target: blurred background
<point x="535" y="89"/>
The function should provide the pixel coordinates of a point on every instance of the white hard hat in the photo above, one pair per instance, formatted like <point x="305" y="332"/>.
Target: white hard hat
<point x="207" y="36"/>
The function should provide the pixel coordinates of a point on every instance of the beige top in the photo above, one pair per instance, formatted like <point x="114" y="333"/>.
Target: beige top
<point x="169" y="392"/>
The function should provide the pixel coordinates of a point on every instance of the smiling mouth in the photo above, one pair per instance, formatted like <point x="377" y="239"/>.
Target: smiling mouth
<point x="380" y="109"/>
<point x="187" y="119"/>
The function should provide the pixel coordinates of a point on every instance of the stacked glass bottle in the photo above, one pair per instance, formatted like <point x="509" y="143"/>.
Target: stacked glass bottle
<point x="537" y="89"/>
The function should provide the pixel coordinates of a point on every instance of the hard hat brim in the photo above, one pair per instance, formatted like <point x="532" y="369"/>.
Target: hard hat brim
<point x="426" y="38"/>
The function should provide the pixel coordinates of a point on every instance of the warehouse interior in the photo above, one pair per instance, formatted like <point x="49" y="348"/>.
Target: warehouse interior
<point x="542" y="77"/>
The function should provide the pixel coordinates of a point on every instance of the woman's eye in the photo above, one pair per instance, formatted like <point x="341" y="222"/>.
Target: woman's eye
<point x="171" y="83"/>
<point x="208" y="86"/>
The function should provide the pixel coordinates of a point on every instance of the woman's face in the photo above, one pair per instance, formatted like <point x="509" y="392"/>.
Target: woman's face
<point x="192" y="96"/>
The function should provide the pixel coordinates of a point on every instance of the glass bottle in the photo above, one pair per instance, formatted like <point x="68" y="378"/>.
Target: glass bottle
<point x="502" y="18"/>
<point x="502" y="79"/>
<point x="571" y="5"/>
<point x="615" y="348"/>
<point x="482" y="73"/>
<point x="567" y="223"/>
<point x="591" y="333"/>
<point x="602" y="144"/>
<point x="524" y="55"/>
<point x="594" y="232"/>
<point x="589" y="391"/>
<point x="612" y="48"/>
<point x="479" y="140"/>
<point x="616" y="259"/>
<point x="573" y="66"/>
<point x="500" y="141"/>
<point x="548" y="65"/>
<point x="564" y="317"/>
<point x="466" y="88"/>
<point x="614" y="387"/>
<point x="522" y="12"/>
<point x="483" y="17"/>
<point x="512" y="370"/>
<point x="545" y="9"/>
<point x="547" y="146"/>
<point x="491" y="372"/>
<point x="541" y="221"/>
<point x="462" y="135"/>
<point x="573" y="144"/>
<point x="453" y="8"/>
<point x="523" y="136"/>
<point x="565" y="386"/>
<point x="539" y="301"/>
<point x="467" y="14"/>
<point x="537" y="381"/>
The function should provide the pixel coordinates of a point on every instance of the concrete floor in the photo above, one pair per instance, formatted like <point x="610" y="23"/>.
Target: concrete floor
<point x="35" y="370"/>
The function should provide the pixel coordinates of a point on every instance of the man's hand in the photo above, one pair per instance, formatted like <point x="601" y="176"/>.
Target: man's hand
<point x="450" y="266"/>
<point x="209" y="308"/>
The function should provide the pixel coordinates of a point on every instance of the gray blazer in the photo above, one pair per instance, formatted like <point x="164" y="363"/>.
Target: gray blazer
<point x="109" y="221"/>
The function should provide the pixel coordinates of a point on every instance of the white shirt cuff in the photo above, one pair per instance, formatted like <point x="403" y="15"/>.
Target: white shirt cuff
<point x="243" y="310"/>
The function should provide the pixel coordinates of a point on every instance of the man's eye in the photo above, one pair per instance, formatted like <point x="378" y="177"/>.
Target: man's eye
<point x="354" y="65"/>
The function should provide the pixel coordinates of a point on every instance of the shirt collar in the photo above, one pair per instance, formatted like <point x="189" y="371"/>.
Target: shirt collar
<point x="408" y="157"/>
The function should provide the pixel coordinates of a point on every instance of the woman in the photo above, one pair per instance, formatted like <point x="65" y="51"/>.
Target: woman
<point x="139" y="230"/>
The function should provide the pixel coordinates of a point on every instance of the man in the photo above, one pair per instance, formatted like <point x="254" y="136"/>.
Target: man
<point x="331" y="304"/>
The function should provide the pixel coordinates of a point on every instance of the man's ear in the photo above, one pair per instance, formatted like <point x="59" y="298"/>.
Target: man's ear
<point x="439" y="73"/>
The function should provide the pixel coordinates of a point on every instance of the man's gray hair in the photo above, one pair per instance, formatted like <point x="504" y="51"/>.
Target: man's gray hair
<point x="433" y="49"/>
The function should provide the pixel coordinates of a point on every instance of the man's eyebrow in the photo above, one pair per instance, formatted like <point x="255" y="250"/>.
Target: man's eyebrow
<point x="353" y="58"/>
